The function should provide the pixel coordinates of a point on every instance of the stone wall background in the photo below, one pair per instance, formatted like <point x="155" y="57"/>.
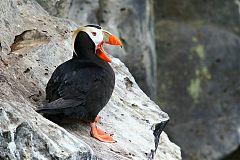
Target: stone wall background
<point x="198" y="55"/>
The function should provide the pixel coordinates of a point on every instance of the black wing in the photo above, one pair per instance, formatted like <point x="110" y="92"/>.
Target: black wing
<point x="74" y="88"/>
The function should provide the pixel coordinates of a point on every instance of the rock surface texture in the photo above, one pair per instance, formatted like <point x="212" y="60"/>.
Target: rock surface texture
<point x="198" y="47"/>
<point x="33" y="44"/>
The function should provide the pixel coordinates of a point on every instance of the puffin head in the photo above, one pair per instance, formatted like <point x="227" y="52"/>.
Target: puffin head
<point x="98" y="36"/>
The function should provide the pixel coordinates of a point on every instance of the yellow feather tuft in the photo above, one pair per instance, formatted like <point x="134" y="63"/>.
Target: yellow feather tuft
<point x="75" y="32"/>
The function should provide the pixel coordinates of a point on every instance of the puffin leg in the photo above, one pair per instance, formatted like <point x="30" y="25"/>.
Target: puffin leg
<point x="98" y="119"/>
<point x="99" y="134"/>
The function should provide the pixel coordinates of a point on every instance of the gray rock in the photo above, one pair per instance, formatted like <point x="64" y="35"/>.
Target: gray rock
<point x="33" y="45"/>
<point x="57" y="8"/>
<point x="84" y="11"/>
<point x="133" y="22"/>
<point x="218" y="12"/>
<point x="36" y="138"/>
<point x="199" y="85"/>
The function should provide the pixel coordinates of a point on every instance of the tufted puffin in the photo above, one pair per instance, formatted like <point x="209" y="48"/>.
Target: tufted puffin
<point x="80" y="87"/>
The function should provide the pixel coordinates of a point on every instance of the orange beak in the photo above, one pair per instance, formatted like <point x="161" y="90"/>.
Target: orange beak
<point x="109" y="39"/>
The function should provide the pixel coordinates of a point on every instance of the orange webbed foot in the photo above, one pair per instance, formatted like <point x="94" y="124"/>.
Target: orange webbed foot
<point x="100" y="135"/>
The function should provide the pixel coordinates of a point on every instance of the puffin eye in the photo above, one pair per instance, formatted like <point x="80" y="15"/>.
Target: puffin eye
<point x="94" y="33"/>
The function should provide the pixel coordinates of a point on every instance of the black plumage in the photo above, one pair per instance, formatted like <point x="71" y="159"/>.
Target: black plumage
<point x="80" y="87"/>
<point x="93" y="25"/>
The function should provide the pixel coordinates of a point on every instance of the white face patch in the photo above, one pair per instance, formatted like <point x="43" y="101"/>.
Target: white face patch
<point x="95" y="34"/>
